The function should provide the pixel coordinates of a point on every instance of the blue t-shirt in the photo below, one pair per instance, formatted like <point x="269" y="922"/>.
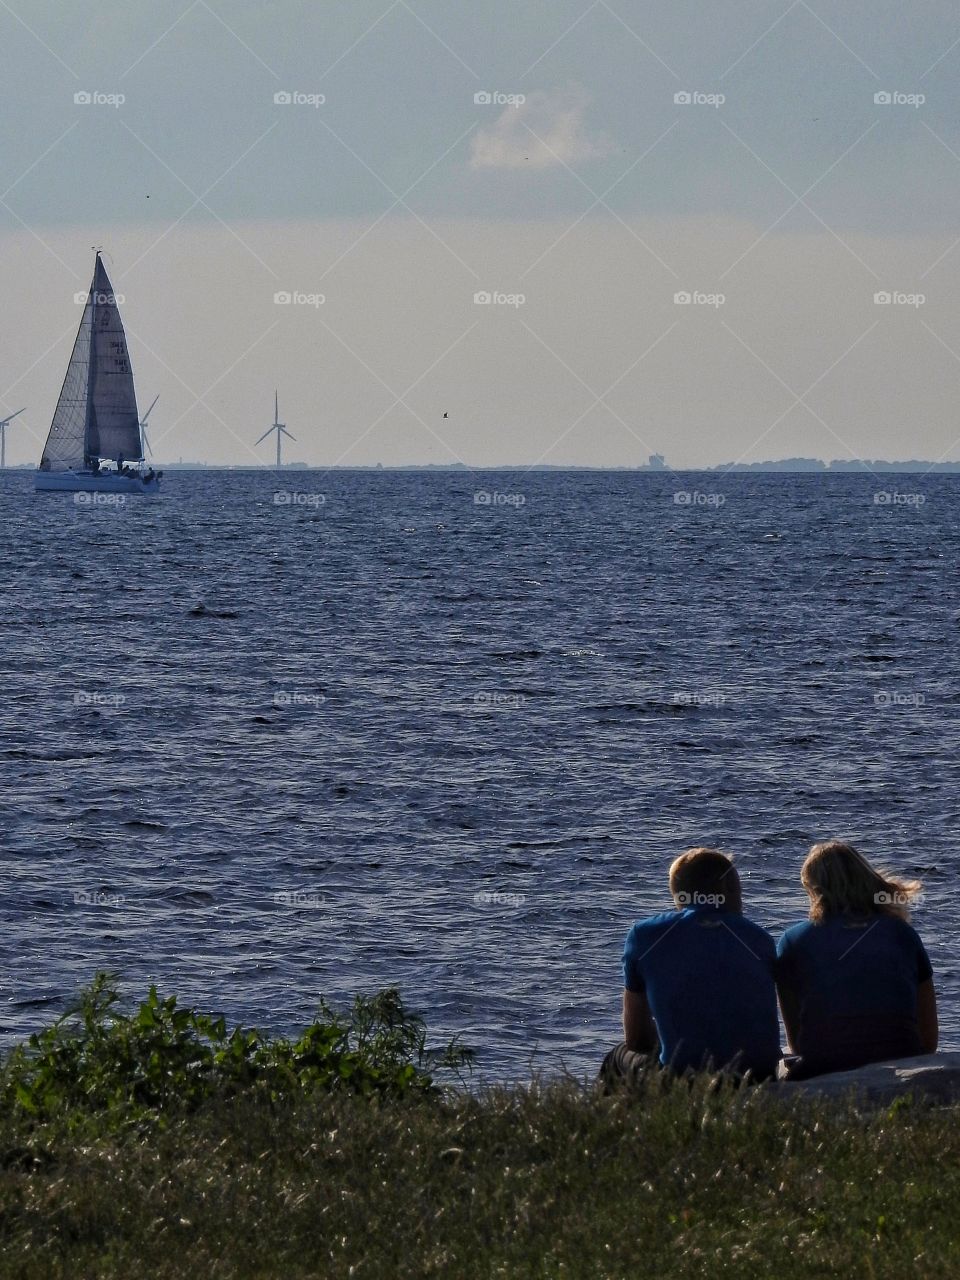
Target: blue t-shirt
<point x="855" y="980"/>
<point x="708" y="976"/>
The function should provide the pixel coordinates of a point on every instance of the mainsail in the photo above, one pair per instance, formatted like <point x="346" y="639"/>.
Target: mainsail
<point x="96" y="415"/>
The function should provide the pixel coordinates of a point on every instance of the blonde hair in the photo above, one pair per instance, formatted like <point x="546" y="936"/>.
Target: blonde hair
<point x="840" y="881"/>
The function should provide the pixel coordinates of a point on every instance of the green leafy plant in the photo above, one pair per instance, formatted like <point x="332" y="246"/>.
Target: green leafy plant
<point x="164" y="1058"/>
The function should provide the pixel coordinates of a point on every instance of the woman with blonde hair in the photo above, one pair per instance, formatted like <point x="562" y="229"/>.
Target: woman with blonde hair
<point x="854" y="981"/>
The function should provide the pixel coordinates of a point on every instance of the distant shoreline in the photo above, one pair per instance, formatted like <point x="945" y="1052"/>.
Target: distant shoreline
<point x="798" y="466"/>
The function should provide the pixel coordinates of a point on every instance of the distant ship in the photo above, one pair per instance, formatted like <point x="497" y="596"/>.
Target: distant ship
<point x="96" y="420"/>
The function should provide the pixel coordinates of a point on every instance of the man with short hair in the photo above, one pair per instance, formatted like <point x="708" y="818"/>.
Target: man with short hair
<point x="699" y="981"/>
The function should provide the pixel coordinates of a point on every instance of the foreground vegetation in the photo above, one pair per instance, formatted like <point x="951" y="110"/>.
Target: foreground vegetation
<point x="159" y="1144"/>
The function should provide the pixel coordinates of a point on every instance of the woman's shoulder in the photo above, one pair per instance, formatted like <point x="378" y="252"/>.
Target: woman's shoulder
<point x="795" y="934"/>
<point x="902" y="928"/>
<point x="812" y="932"/>
<point x="893" y="926"/>
<point x="799" y="929"/>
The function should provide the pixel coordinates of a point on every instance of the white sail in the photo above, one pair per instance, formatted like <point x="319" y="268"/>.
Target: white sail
<point x="96" y="415"/>
<point x="64" y="450"/>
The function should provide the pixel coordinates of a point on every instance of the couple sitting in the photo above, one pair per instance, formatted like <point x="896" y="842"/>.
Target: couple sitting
<point x="701" y="982"/>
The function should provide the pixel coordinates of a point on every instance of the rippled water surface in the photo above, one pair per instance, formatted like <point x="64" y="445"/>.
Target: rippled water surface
<point x="400" y="737"/>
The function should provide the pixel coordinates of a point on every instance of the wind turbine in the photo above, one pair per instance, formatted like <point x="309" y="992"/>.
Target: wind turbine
<point x="3" y="437"/>
<point x="278" y="427"/>
<point x="143" y="426"/>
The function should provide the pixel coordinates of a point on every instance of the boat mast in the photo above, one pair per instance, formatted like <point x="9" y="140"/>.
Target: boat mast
<point x="92" y="364"/>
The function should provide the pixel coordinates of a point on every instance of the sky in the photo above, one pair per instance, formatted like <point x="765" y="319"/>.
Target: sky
<point x="583" y="231"/>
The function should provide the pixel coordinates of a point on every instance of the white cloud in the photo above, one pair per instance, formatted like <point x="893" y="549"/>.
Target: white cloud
<point x="543" y="132"/>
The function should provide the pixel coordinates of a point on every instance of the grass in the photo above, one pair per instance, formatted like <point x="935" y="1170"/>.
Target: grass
<point x="673" y="1179"/>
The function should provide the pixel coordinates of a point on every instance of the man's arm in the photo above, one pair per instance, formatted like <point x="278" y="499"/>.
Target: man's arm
<point x="927" y="1016"/>
<point x="639" y="1029"/>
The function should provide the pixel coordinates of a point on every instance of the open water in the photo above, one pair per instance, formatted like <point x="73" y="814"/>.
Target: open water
<point x="383" y="733"/>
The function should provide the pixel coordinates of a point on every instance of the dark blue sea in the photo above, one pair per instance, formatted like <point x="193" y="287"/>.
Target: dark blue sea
<point x="264" y="737"/>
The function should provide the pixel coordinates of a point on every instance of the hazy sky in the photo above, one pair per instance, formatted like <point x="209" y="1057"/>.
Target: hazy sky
<point x="783" y="197"/>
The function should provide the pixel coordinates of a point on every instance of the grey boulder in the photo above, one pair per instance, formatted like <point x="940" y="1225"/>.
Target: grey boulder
<point x="934" y="1077"/>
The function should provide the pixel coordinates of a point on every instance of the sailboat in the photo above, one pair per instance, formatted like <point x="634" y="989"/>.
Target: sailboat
<point x="95" y="441"/>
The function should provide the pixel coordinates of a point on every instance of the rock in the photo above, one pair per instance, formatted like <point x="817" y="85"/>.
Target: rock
<point x="934" y="1077"/>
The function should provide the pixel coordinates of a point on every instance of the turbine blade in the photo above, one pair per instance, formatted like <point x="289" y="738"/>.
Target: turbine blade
<point x="150" y="410"/>
<point x="269" y="431"/>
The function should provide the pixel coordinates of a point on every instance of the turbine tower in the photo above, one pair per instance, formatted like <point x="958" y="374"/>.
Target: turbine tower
<point x="143" y="426"/>
<point x="278" y="427"/>
<point x="3" y="437"/>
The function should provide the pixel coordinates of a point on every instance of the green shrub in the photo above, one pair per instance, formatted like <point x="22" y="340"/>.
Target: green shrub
<point x="164" y="1058"/>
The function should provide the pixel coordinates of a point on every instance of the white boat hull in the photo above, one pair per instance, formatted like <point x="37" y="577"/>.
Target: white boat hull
<point x="94" y="482"/>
